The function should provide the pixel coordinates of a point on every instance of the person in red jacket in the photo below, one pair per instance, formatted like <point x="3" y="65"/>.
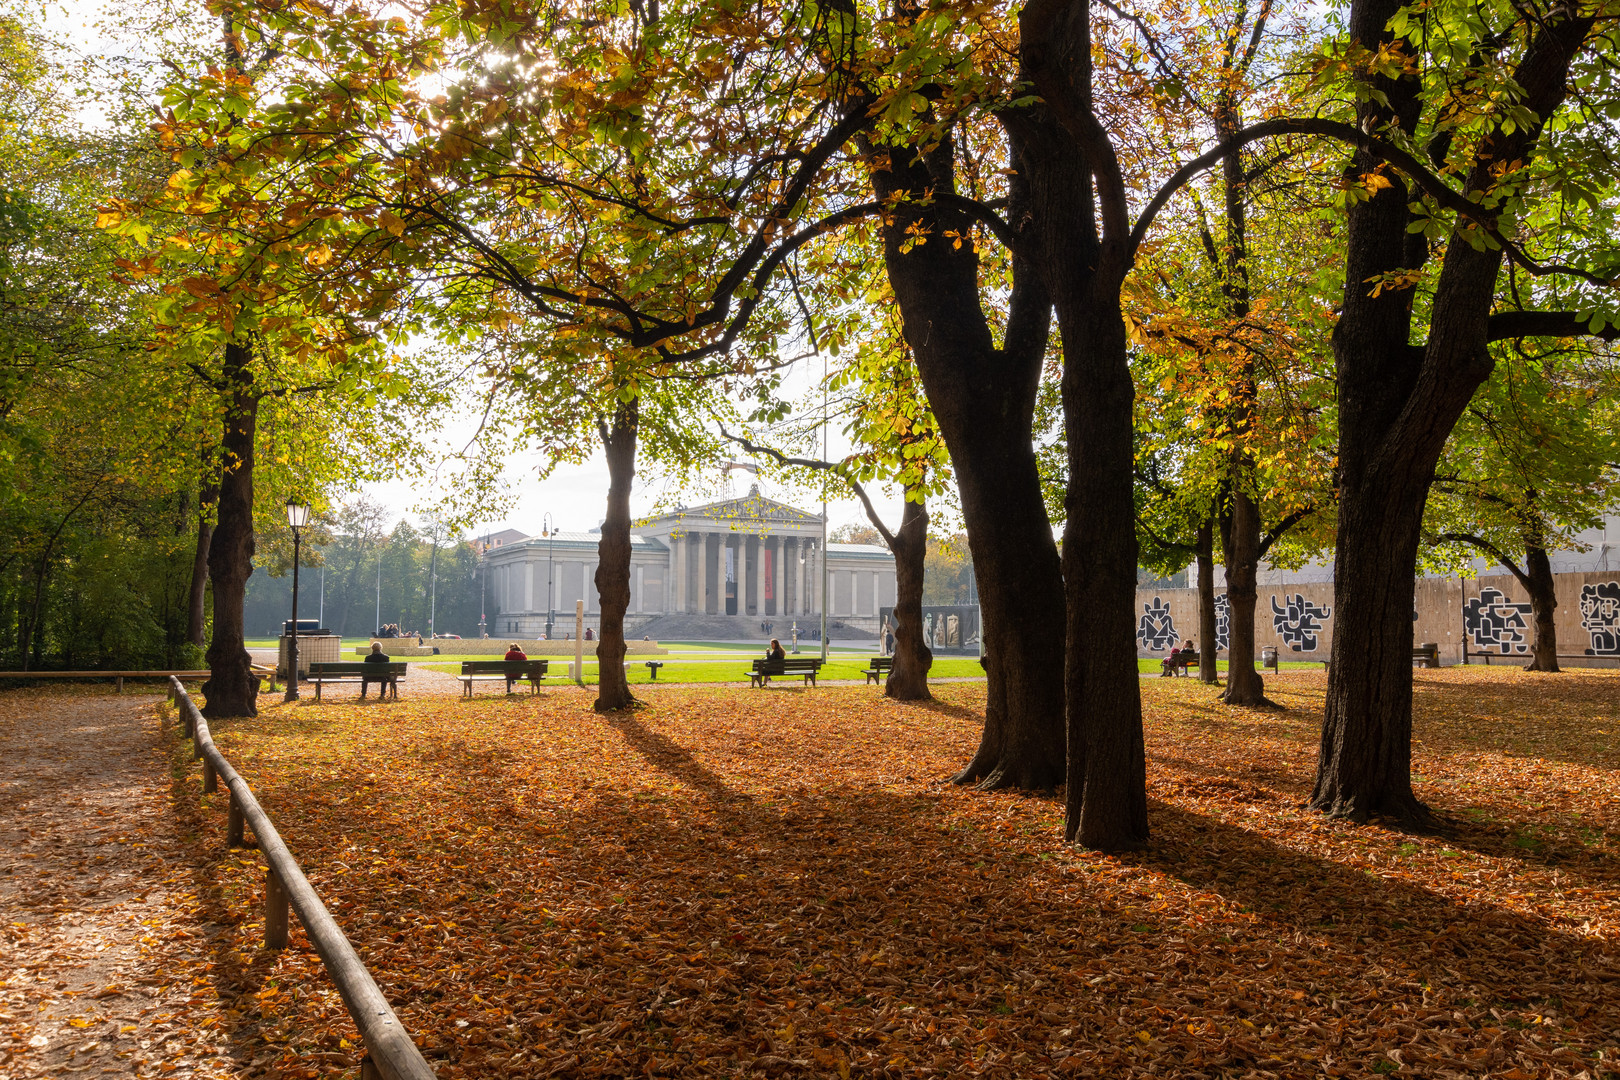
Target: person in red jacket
<point x="513" y="652"/>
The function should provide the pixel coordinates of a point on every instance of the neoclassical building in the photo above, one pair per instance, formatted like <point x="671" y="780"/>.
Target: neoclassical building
<point x="752" y="558"/>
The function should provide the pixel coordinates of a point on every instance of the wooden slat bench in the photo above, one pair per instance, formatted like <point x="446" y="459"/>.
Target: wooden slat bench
<point x="386" y="676"/>
<point x="879" y="668"/>
<point x="1180" y="663"/>
<point x="1426" y="655"/>
<point x="763" y="671"/>
<point x="507" y="671"/>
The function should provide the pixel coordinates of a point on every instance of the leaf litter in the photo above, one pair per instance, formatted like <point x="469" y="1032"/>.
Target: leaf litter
<point x="103" y="960"/>
<point x="728" y="883"/>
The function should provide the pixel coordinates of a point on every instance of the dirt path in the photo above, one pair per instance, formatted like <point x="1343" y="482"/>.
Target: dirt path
<point x="103" y="956"/>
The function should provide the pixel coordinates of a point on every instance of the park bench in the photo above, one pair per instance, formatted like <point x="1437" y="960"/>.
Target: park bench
<point x="508" y="671"/>
<point x="653" y="666"/>
<point x="1181" y="663"/>
<point x="386" y="676"/>
<point x="763" y="671"/>
<point x="1426" y="655"/>
<point x="878" y="668"/>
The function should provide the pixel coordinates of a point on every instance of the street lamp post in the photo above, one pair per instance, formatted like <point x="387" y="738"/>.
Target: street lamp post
<point x="297" y="517"/>
<point x="548" y="529"/>
<point x="824" y="510"/>
<point x="483" y="587"/>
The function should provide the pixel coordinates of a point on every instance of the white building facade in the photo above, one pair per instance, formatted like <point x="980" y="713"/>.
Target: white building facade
<point x="750" y="560"/>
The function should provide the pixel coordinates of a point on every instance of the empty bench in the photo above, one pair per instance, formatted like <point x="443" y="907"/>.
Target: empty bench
<point x="763" y="671"/>
<point x="507" y="671"/>
<point x="386" y="676"/>
<point x="879" y="668"/>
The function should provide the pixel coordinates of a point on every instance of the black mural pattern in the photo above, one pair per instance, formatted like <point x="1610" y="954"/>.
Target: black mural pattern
<point x="1496" y="624"/>
<point x="1156" y="630"/>
<point x="1600" y="617"/>
<point x="1299" y="622"/>
<point x="1223" y="623"/>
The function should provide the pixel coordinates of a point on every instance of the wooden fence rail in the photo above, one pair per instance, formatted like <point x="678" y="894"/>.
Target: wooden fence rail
<point x="258" y="669"/>
<point x="390" y="1053"/>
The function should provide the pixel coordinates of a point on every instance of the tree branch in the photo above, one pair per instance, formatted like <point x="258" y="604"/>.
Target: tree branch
<point x="837" y="468"/>
<point x="1505" y="325"/>
<point x="1489" y="548"/>
<point x="1282" y="527"/>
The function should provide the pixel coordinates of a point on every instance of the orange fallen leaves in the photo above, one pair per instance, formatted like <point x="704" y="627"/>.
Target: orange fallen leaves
<point x="782" y="884"/>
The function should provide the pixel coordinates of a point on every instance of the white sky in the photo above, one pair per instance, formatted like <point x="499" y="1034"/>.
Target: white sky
<point x="576" y="495"/>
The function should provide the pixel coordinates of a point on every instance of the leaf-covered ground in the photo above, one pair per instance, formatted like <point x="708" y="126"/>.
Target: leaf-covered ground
<point x="782" y="884"/>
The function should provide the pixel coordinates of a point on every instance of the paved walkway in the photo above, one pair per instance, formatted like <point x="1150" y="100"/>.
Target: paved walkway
<point x="103" y="956"/>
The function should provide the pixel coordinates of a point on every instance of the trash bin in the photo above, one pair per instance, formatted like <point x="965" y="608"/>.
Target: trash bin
<point x="319" y="646"/>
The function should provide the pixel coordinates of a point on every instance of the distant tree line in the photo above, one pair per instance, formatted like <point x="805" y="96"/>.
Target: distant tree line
<point x="420" y="578"/>
<point x="947" y="564"/>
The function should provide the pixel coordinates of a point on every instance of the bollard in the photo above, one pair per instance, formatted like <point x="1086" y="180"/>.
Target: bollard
<point x="233" y="824"/>
<point x="210" y="776"/>
<point x="275" y="912"/>
<point x="368" y="1069"/>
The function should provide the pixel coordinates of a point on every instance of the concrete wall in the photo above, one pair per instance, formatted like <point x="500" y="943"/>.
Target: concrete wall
<point x="1491" y="613"/>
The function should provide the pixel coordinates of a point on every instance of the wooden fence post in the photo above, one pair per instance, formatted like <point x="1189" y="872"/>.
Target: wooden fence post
<point x="275" y="912"/>
<point x="210" y="777"/>
<point x="233" y="824"/>
<point x="368" y="1069"/>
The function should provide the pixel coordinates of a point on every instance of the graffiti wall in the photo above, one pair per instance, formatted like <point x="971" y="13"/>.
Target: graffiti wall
<point x="1487" y="614"/>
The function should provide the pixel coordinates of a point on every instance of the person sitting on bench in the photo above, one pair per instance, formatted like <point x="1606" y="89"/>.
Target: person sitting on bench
<point x="775" y="651"/>
<point x="514" y="651"/>
<point x="1176" y="659"/>
<point x="376" y="656"/>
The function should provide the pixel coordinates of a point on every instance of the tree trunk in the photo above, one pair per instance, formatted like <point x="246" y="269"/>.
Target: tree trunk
<point x="613" y="558"/>
<point x="1240" y="549"/>
<point x="1395" y="416"/>
<point x="1072" y="176"/>
<point x="30" y="640"/>
<point x="232" y="689"/>
<point x="1543" y="605"/>
<point x="197" y="600"/>
<point x="908" y="678"/>
<point x="1208" y="631"/>
<point x="984" y="400"/>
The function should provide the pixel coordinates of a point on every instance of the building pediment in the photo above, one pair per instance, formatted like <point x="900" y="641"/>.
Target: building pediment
<point x="744" y="514"/>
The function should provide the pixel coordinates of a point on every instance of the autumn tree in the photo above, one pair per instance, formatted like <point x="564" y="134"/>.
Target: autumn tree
<point x="1531" y="463"/>
<point x="1501" y="109"/>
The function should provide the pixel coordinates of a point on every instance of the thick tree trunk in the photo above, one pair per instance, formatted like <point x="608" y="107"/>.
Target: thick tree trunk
<point x="1240" y="547"/>
<point x="1208" y="631"/>
<point x="1394" y="418"/>
<point x="1107" y="766"/>
<point x="1543" y="606"/>
<point x="232" y="689"/>
<point x="197" y="600"/>
<point x="984" y="401"/>
<point x="613" y="558"/>
<point x="908" y="678"/>
<point x="1083" y="271"/>
<point x="1364" y="767"/>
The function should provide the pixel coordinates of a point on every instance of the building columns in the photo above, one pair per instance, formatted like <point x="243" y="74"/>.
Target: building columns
<point x="703" y="574"/>
<point x="798" y="575"/>
<point x="778" y="575"/>
<point x="759" y="575"/>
